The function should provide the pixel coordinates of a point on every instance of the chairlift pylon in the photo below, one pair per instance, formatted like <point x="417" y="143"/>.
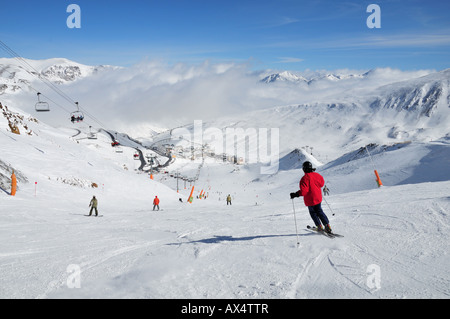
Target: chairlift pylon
<point x="92" y="135"/>
<point x="41" y="106"/>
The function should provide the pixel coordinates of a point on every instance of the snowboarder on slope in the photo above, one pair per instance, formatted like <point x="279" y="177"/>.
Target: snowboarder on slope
<point x="229" y="199"/>
<point x="156" y="202"/>
<point x="93" y="204"/>
<point x="310" y="188"/>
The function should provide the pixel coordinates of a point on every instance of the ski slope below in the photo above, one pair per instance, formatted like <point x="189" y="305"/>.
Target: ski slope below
<point x="395" y="244"/>
<point x="210" y="250"/>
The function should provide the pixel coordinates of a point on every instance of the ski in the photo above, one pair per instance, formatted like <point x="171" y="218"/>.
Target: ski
<point x="314" y="229"/>
<point x="329" y="235"/>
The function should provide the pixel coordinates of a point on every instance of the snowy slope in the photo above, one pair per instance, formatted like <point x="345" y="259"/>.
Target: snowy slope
<point x="62" y="158"/>
<point x="247" y="250"/>
<point x="208" y="249"/>
<point x="417" y="109"/>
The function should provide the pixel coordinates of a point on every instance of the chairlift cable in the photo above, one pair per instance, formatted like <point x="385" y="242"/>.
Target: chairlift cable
<point x="47" y="82"/>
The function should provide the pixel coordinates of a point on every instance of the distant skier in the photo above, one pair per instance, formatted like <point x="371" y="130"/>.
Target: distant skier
<point x="93" y="204"/>
<point x="326" y="191"/>
<point x="228" y="199"/>
<point x="156" y="203"/>
<point x="310" y="188"/>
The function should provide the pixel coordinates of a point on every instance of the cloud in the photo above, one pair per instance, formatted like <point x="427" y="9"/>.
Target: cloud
<point x="369" y="41"/>
<point x="287" y="20"/>
<point x="156" y="94"/>
<point x="165" y="95"/>
<point x="172" y="95"/>
<point x="406" y="40"/>
<point x="289" y="60"/>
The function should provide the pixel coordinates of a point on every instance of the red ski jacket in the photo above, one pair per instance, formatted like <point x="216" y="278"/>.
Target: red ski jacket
<point x="310" y="188"/>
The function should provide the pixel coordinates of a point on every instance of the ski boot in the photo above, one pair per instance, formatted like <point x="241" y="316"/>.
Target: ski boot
<point x="328" y="229"/>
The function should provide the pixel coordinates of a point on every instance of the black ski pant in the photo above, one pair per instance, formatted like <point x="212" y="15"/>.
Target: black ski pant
<point x="318" y="215"/>
<point x="96" y="211"/>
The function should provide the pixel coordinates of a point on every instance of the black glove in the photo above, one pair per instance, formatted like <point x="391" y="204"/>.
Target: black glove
<point x="294" y="195"/>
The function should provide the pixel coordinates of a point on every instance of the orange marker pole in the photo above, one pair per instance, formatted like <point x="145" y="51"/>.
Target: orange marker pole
<point x="378" y="179"/>
<point x="13" y="184"/>
<point x="190" y="196"/>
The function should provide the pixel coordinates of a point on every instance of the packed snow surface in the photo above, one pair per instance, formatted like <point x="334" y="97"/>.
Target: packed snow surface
<point x="396" y="237"/>
<point x="395" y="244"/>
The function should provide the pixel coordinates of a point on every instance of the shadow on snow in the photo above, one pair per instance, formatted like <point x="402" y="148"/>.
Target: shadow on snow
<point x="218" y="239"/>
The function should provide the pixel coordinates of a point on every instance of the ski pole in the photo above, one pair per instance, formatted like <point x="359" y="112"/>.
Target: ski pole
<point x="328" y="205"/>
<point x="295" y="221"/>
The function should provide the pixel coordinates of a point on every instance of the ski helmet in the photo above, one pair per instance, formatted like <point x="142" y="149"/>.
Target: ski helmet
<point x="307" y="167"/>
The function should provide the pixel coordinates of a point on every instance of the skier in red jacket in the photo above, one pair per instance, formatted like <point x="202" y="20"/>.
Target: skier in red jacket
<point x="156" y="202"/>
<point x="310" y="188"/>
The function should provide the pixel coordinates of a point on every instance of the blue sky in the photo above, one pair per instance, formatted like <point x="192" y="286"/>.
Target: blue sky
<point x="281" y="34"/>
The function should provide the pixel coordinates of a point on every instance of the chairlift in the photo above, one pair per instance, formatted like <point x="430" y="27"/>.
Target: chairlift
<point x="41" y="106"/>
<point x="76" y="116"/>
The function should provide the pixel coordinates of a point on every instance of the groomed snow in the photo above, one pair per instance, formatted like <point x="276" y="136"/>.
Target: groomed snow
<point x="396" y="237"/>
<point x="208" y="249"/>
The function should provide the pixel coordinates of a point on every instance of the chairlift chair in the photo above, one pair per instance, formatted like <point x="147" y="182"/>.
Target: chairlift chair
<point x="77" y="116"/>
<point x="41" y="106"/>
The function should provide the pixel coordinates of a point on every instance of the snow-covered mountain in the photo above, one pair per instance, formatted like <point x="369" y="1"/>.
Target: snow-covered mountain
<point x="414" y="109"/>
<point x="284" y="76"/>
<point x="423" y="96"/>
<point x="289" y="77"/>
<point x="251" y="249"/>
<point x="390" y="121"/>
<point x="18" y="74"/>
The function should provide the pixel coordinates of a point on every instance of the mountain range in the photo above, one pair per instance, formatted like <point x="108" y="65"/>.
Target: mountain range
<point x="395" y="237"/>
<point x="334" y="112"/>
<point x="17" y="74"/>
<point x="287" y="76"/>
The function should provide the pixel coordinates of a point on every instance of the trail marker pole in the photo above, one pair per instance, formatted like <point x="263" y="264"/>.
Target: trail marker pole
<point x="378" y="180"/>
